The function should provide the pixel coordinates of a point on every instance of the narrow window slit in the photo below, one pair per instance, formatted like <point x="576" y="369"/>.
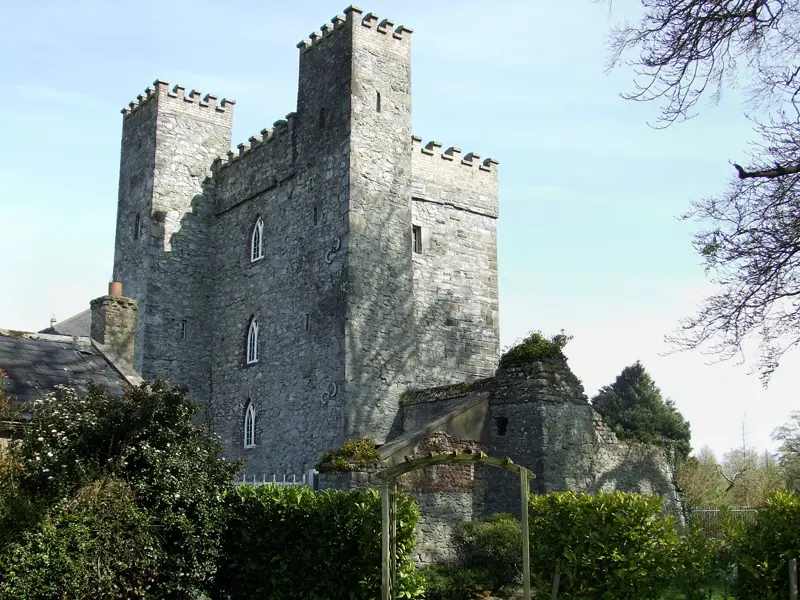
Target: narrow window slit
<point x="137" y="224"/>
<point x="416" y="237"/>
<point x="183" y="329"/>
<point x="378" y="101"/>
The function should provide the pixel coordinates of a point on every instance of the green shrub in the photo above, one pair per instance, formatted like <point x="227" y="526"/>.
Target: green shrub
<point x="454" y="582"/>
<point x="760" y="550"/>
<point x="610" y="546"/>
<point x="291" y="542"/>
<point x="533" y="348"/>
<point x="493" y="546"/>
<point x="698" y="564"/>
<point x="351" y="455"/>
<point x="97" y="545"/>
<point x="145" y="438"/>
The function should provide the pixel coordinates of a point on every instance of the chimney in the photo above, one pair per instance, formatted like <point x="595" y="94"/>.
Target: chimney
<point x="53" y="321"/>
<point x="114" y="322"/>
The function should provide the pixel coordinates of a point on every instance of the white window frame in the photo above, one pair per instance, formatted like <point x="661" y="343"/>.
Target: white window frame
<point x="250" y="425"/>
<point x="252" y="343"/>
<point x="257" y="241"/>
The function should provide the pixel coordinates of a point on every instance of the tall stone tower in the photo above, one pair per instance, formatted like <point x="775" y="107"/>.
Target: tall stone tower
<point x="354" y="105"/>
<point x="169" y="140"/>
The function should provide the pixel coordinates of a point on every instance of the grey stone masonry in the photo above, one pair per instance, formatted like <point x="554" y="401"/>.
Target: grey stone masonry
<point x="114" y="325"/>
<point x="375" y="269"/>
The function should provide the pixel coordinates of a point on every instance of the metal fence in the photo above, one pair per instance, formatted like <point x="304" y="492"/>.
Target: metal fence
<point x="310" y="478"/>
<point x="710" y="519"/>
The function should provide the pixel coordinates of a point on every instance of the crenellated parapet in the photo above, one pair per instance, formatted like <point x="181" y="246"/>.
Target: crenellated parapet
<point x="453" y="155"/>
<point x="354" y="16"/>
<point x="160" y="91"/>
<point x="280" y="131"/>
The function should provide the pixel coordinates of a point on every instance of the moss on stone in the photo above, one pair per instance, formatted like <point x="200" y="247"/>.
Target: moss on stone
<point x="443" y="391"/>
<point x="353" y="454"/>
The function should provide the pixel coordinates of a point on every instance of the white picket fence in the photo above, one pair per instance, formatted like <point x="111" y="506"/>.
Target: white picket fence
<point x="310" y="478"/>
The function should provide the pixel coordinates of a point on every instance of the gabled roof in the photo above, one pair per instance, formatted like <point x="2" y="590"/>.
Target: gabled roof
<point x="77" y="325"/>
<point x="35" y="363"/>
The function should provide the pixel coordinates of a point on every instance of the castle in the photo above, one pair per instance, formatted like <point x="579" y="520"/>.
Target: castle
<point x="300" y="285"/>
<point x="333" y="279"/>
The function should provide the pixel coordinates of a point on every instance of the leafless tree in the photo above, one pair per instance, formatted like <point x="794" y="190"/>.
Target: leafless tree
<point x="682" y="51"/>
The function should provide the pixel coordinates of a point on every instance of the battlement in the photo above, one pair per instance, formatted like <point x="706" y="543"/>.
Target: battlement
<point x="452" y="155"/>
<point x="353" y="15"/>
<point x="279" y="129"/>
<point x="160" y="90"/>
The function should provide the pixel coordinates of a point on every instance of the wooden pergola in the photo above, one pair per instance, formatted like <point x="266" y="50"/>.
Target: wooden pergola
<point x="388" y="479"/>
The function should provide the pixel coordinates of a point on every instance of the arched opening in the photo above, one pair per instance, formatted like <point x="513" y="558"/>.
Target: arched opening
<point x="388" y="480"/>
<point x="250" y="425"/>
<point x="256" y="241"/>
<point x="252" y="342"/>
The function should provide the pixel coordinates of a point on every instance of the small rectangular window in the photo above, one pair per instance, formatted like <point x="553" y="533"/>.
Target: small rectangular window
<point x="308" y="318"/>
<point x="502" y="425"/>
<point x="315" y="215"/>
<point x="183" y="329"/>
<point x="378" y="102"/>
<point x="137" y="226"/>
<point x="416" y="235"/>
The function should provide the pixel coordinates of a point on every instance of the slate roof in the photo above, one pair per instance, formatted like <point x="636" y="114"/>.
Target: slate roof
<point x="77" y="325"/>
<point x="35" y="364"/>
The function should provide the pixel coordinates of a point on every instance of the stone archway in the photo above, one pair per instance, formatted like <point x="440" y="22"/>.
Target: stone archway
<point x="388" y="479"/>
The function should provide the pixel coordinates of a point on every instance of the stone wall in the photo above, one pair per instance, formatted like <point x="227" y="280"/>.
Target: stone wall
<point x="455" y="203"/>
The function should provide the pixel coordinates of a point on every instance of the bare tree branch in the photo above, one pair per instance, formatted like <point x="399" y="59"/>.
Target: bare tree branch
<point x="680" y="51"/>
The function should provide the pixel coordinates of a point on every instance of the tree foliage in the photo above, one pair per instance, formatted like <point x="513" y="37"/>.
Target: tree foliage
<point x="634" y="408"/>
<point x="681" y="51"/>
<point x="788" y="435"/>
<point x="535" y="347"/>
<point x="172" y="475"/>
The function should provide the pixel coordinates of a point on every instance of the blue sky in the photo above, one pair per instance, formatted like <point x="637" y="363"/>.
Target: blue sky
<point x="588" y="235"/>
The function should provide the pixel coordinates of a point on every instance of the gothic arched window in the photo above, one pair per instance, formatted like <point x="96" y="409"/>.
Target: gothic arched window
<point x="256" y="241"/>
<point x="250" y="425"/>
<point x="252" y="342"/>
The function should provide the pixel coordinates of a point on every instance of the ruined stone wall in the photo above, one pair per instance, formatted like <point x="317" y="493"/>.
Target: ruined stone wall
<point x="551" y="428"/>
<point x="455" y="203"/>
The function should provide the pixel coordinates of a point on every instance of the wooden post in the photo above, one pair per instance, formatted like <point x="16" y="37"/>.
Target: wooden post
<point x="792" y="579"/>
<point x="385" y="559"/>
<point x="524" y="490"/>
<point x="393" y="540"/>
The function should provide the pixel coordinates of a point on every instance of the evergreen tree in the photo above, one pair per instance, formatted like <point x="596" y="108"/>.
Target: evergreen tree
<point x="634" y="408"/>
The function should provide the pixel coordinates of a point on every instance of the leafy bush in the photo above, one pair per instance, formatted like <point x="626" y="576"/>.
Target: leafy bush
<point x="97" y="545"/>
<point x="351" y="455"/>
<point x="492" y="546"/>
<point x="699" y="564"/>
<point x="760" y="550"/>
<point x="610" y="546"/>
<point x="535" y="347"/>
<point x="290" y="542"/>
<point x="145" y="438"/>
<point x="454" y="582"/>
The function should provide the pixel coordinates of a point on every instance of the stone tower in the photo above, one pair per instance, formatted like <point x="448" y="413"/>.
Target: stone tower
<point x="169" y="140"/>
<point x="364" y="262"/>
